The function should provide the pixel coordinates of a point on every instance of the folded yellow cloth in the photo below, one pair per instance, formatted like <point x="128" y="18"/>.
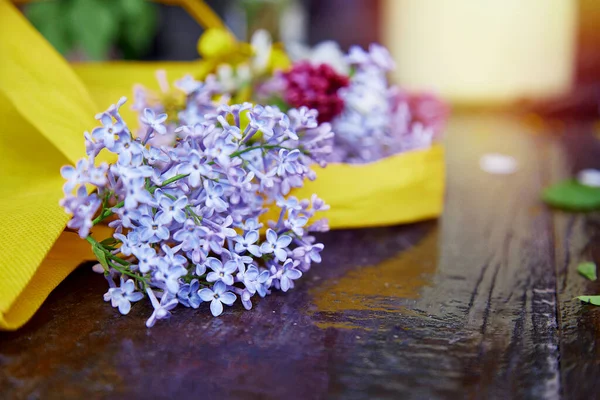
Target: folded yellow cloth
<point x="44" y="108"/>
<point x="46" y="105"/>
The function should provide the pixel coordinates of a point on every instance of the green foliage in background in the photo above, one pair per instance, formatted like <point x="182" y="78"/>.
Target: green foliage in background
<point x="95" y="26"/>
<point x="588" y="269"/>
<point x="595" y="300"/>
<point x="573" y="196"/>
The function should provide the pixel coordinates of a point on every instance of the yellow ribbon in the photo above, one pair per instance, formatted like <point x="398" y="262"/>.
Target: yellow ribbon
<point x="44" y="110"/>
<point x="45" y="106"/>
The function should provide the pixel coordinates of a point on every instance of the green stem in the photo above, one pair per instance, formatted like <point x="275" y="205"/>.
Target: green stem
<point x="117" y="259"/>
<point x="107" y="212"/>
<point x="111" y="259"/>
<point x="266" y="147"/>
<point x="123" y="271"/>
<point x="188" y="208"/>
<point x="92" y="241"/>
<point x="173" y="179"/>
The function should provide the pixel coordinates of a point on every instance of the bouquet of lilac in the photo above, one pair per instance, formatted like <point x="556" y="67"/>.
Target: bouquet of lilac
<point x="372" y="118"/>
<point x="186" y="215"/>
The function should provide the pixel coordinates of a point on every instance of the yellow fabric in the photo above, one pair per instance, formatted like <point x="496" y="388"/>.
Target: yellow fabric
<point x="108" y="82"/>
<point x="44" y="109"/>
<point x="400" y="189"/>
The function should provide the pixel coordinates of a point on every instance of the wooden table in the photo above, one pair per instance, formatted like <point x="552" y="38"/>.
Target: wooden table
<point x="476" y="305"/>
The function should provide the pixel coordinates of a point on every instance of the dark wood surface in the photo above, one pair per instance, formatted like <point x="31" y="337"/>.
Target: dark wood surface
<point x="476" y="305"/>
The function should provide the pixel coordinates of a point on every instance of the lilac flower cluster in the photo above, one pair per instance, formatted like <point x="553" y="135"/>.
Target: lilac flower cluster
<point x="377" y="119"/>
<point x="188" y="217"/>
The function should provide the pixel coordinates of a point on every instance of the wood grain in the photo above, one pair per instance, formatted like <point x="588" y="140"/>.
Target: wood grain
<point x="577" y="240"/>
<point x="476" y="305"/>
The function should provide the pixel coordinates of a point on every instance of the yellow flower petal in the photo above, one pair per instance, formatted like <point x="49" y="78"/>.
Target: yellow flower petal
<point x="215" y="43"/>
<point x="279" y="60"/>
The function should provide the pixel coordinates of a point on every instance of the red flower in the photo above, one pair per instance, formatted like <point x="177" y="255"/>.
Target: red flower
<point x="315" y="86"/>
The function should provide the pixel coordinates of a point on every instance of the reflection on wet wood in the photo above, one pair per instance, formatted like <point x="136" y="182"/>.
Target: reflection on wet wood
<point x="383" y="287"/>
<point x="476" y="305"/>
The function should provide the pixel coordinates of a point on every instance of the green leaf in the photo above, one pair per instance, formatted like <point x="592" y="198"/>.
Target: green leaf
<point x="571" y="195"/>
<point x="101" y="256"/>
<point x="47" y="18"/>
<point x="94" y="26"/>
<point x="588" y="269"/>
<point x="139" y="27"/>
<point x="131" y="9"/>
<point x="595" y="300"/>
<point x="109" y="241"/>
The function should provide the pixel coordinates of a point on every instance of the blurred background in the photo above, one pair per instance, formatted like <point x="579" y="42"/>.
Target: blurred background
<point x="543" y="53"/>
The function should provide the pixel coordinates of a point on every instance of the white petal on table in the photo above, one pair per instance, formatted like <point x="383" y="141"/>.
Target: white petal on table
<point x="589" y="177"/>
<point x="498" y="164"/>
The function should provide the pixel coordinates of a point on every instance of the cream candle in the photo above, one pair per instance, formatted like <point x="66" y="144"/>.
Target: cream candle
<point x="473" y="51"/>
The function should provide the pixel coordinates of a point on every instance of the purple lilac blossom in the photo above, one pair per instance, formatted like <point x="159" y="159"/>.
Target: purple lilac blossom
<point x="186" y="214"/>
<point x="123" y="296"/>
<point x="378" y="119"/>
